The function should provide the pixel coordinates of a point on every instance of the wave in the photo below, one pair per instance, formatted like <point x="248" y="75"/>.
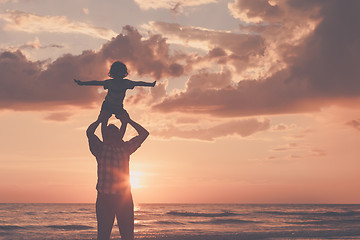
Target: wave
<point x="220" y="221"/>
<point x="197" y="214"/>
<point x="341" y="214"/>
<point x="305" y="213"/>
<point x="326" y="222"/>
<point x="85" y="209"/>
<point x="169" y="223"/>
<point x="10" y="227"/>
<point x="327" y="234"/>
<point x="30" y="213"/>
<point x="70" y="227"/>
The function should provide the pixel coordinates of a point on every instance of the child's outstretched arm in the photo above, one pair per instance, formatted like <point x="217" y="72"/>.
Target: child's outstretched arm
<point x="145" y="84"/>
<point x="89" y="83"/>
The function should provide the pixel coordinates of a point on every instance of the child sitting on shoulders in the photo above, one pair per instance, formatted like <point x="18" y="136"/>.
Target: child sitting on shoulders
<point x="116" y="86"/>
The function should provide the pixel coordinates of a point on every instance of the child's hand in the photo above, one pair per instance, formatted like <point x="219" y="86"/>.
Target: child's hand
<point x="78" y="82"/>
<point x="153" y="84"/>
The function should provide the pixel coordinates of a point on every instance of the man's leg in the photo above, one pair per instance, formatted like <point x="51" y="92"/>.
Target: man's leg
<point x="105" y="214"/>
<point x="125" y="217"/>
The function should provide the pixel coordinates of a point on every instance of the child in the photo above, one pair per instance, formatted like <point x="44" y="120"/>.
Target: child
<point x="117" y="86"/>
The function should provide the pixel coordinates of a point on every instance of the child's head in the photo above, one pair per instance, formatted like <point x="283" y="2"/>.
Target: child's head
<point x="118" y="69"/>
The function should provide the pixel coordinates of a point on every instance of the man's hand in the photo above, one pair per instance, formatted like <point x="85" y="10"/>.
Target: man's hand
<point x="104" y="116"/>
<point x="80" y="83"/>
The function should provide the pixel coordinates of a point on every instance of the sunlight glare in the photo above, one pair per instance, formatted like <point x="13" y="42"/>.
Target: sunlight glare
<point x="135" y="179"/>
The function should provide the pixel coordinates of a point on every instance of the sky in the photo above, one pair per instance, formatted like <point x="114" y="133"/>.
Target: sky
<point x="255" y="101"/>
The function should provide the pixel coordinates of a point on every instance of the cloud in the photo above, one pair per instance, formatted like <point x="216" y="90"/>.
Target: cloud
<point x="28" y="85"/>
<point x="58" y="116"/>
<point x="145" y="56"/>
<point x="32" y="23"/>
<point x="86" y="11"/>
<point x="317" y="153"/>
<point x="273" y="11"/>
<point x="243" y="128"/>
<point x="281" y="127"/>
<point x="170" y="4"/>
<point x="318" y="65"/>
<point x="277" y="66"/>
<point x="354" y="123"/>
<point x="240" y="50"/>
<point x="35" y="85"/>
<point x="295" y="151"/>
<point x="33" y="45"/>
<point x="248" y="97"/>
<point x="287" y="147"/>
<point x="254" y="11"/>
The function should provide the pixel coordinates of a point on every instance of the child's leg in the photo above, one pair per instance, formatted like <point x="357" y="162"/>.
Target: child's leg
<point x="105" y="121"/>
<point x="118" y="115"/>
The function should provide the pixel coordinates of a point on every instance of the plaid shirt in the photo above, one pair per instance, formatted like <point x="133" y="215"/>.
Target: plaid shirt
<point x="113" y="164"/>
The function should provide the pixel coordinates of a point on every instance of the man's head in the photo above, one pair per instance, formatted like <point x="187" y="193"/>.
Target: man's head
<point x="111" y="134"/>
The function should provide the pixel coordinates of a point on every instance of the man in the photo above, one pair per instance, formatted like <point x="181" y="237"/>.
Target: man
<point x="114" y="191"/>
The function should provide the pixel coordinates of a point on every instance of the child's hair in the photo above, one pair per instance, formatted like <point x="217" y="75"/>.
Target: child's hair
<point x="118" y="69"/>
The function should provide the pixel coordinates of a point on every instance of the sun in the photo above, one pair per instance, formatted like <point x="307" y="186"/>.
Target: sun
<point x="135" y="179"/>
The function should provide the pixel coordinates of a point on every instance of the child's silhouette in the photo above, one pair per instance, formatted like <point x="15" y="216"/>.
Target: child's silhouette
<point x="116" y="86"/>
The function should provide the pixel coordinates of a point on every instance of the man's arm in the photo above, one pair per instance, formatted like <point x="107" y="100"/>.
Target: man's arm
<point x="142" y="132"/>
<point x="94" y="141"/>
<point x="89" y="83"/>
<point x="90" y="131"/>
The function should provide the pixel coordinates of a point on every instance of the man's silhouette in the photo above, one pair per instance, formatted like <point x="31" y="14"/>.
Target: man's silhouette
<point x="114" y="191"/>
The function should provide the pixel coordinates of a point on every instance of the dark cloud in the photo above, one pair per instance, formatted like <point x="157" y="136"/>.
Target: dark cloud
<point x="319" y="69"/>
<point x="309" y="52"/>
<point x="256" y="11"/>
<point x="249" y="97"/>
<point x="243" y="49"/>
<point x="354" y="123"/>
<point x="150" y="56"/>
<point x="270" y="12"/>
<point x="30" y="85"/>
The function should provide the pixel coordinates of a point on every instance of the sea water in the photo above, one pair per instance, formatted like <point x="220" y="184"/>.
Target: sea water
<point x="185" y="221"/>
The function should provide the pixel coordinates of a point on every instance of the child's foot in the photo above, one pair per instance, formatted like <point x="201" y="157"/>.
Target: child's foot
<point x="153" y="84"/>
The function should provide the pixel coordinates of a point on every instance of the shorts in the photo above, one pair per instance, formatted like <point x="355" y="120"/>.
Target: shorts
<point x="113" y="109"/>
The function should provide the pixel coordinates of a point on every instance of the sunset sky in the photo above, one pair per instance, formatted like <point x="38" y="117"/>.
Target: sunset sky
<point x="256" y="101"/>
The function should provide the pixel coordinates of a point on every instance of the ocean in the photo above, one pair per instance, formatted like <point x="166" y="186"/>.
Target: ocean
<point x="185" y="221"/>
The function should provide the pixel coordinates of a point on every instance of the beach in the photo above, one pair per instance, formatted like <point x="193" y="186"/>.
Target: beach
<point x="186" y="221"/>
